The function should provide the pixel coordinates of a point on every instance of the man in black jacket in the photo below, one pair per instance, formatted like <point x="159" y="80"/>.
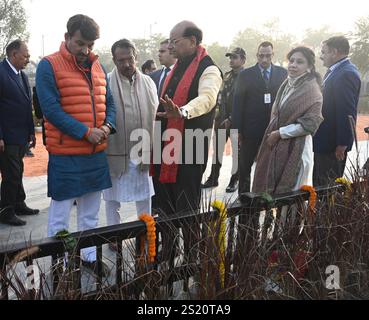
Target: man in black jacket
<point x="256" y="89"/>
<point x="189" y="93"/>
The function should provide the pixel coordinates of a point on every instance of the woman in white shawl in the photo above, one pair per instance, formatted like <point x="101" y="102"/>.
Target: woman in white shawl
<point x="285" y="159"/>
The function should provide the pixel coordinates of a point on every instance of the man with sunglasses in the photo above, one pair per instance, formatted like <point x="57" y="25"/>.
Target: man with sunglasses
<point x="255" y="91"/>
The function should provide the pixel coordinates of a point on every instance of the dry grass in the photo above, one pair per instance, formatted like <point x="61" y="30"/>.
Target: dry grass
<point x="284" y="257"/>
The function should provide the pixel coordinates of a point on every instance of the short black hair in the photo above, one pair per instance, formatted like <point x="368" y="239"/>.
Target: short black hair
<point x="265" y="44"/>
<point x="194" y="31"/>
<point x="126" y="44"/>
<point x="340" y="43"/>
<point x="87" y="26"/>
<point x="13" y="46"/>
<point x="147" y="65"/>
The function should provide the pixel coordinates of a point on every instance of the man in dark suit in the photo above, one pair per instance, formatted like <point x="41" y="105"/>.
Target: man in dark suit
<point x="167" y="61"/>
<point x="256" y="89"/>
<point x="341" y="88"/>
<point x="16" y="132"/>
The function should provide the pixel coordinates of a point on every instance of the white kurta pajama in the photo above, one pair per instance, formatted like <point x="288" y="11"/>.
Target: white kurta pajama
<point x="131" y="181"/>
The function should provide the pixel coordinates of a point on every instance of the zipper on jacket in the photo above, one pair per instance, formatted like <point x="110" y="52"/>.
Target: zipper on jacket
<point x="90" y="85"/>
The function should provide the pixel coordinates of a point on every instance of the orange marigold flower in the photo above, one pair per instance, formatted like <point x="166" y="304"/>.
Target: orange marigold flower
<point x="312" y="198"/>
<point x="150" y="235"/>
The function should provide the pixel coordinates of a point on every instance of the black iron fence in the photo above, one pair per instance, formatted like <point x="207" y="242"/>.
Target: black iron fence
<point x="256" y="222"/>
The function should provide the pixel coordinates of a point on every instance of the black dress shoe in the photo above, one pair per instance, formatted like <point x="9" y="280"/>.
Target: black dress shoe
<point x="23" y="210"/>
<point x="12" y="220"/>
<point x="210" y="183"/>
<point x="232" y="187"/>
<point x="92" y="266"/>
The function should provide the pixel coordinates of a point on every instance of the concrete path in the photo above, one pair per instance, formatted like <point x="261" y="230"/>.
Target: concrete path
<point x="36" y="190"/>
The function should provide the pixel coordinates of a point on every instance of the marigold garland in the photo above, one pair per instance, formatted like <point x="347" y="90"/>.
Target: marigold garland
<point x="221" y="207"/>
<point x="348" y="187"/>
<point x="312" y="198"/>
<point x="344" y="181"/>
<point x="150" y="235"/>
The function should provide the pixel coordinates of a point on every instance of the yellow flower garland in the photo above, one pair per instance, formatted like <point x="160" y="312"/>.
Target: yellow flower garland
<point x="151" y="236"/>
<point x="348" y="187"/>
<point x="221" y="207"/>
<point x="344" y="181"/>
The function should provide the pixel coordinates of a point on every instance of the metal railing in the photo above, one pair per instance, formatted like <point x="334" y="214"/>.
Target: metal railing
<point x="243" y="222"/>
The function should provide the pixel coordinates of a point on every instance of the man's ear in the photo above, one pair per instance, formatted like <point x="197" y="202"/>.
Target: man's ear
<point x="66" y="36"/>
<point x="193" y="41"/>
<point x="335" y="52"/>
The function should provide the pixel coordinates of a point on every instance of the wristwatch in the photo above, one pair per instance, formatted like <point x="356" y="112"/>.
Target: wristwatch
<point x="109" y="126"/>
<point x="184" y="113"/>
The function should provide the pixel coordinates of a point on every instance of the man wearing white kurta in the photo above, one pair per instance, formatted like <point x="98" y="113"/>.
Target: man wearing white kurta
<point x="136" y="103"/>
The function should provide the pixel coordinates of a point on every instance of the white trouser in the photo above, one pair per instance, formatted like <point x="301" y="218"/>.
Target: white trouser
<point x="88" y="207"/>
<point x="112" y="210"/>
<point x="221" y="145"/>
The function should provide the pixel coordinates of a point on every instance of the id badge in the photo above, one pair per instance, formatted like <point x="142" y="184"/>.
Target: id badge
<point x="267" y="98"/>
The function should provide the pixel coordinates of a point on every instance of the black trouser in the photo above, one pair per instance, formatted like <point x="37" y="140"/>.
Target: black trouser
<point x="179" y="197"/>
<point x="248" y="153"/>
<point x="11" y="166"/>
<point x="327" y="168"/>
<point x="184" y="195"/>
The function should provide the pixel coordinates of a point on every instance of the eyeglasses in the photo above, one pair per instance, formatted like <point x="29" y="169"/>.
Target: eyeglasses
<point x="175" y="41"/>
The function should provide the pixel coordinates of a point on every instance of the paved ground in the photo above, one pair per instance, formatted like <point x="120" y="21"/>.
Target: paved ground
<point x="35" y="183"/>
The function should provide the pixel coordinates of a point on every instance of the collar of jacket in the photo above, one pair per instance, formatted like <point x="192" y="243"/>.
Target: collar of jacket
<point x="68" y="56"/>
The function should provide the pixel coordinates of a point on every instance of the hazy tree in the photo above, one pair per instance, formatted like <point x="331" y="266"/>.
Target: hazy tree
<point x="282" y="45"/>
<point x="250" y="38"/>
<point x="217" y="52"/>
<point x="13" y="23"/>
<point x="271" y="29"/>
<point x="105" y="58"/>
<point x="148" y="48"/>
<point x="360" y="48"/>
<point x="282" y="42"/>
<point x="313" y="38"/>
